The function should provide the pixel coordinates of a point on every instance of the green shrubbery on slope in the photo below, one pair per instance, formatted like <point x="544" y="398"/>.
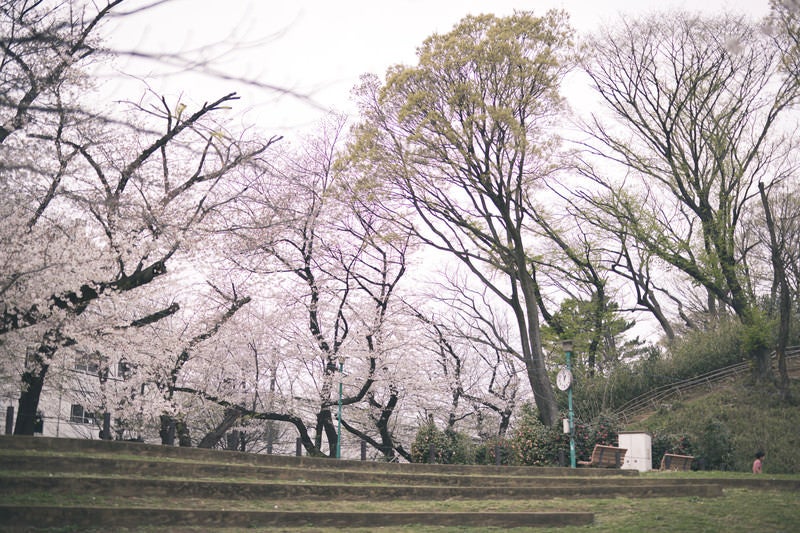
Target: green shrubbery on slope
<point x="726" y="427"/>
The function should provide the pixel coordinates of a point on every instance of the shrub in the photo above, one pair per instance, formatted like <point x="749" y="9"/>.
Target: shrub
<point x="669" y="443"/>
<point x="486" y="452"/>
<point x="601" y="392"/>
<point x="602" y="430"/>
<point x="533" y="443"/>
<point x="698" y="352"/>
<point x="661" y="444"/>
<point x="584" y="440"/>
<point x="715" y="448"/>
<point x="430" y="436"/>
<point x="758" y="336"/>
<point x="460" y="447"/>
<point x="449" y="447"/>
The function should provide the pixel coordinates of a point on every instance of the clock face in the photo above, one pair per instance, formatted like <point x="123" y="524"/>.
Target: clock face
<point x="564" y="379"/>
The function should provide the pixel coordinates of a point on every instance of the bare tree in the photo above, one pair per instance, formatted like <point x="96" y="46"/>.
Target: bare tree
<point x="778" y="235"/>
<point x="696" y="110"/>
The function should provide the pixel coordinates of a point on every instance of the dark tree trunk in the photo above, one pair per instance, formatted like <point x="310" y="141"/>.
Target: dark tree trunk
<point x="229" y="419"/>
<point x="505" y="422"/>
<point x="326" y="425"/>
<point x="387" y="445"/>
<point x="785" y="299"/>
<point x="387" y="441"/>
<point x="29" y="401"/>
<point x="184" y="437"/>
<point x="762" y="365"/>
<point x="167" y="432"/>
<point x="171" y="428"/>
<point x="33" y="382"/>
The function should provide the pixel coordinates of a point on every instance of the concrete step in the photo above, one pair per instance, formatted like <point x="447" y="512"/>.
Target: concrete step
<point x="326" y="473"/>
<point x="99" y="448"/>
<point x="22" y="518"/>
<point x="211" y="489"/>
<point x="122" y="487"/>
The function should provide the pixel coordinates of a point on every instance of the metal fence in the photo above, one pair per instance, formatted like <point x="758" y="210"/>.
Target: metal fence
<point x="658" y="397"/>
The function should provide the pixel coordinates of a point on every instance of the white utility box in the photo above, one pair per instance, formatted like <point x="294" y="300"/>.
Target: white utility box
<point x="640" y="450"/>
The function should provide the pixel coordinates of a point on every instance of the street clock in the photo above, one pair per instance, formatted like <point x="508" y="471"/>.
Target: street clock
<point x="564" y="379"/>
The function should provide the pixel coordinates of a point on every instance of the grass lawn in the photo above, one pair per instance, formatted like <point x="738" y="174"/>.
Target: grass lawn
<point x="738" y="511"/>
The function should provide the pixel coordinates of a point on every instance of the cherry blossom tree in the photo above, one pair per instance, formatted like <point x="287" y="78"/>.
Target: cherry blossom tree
<point x="104" y="205"/>
<point x="332" y="269"/>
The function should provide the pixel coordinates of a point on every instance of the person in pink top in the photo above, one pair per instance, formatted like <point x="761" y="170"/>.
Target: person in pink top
<point x="757" y="463"/>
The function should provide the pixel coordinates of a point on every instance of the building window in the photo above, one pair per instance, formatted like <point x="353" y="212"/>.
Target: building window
<point x="87" y="366"/>
<point x="80" y="416"/>
<point x="124" y="369"/>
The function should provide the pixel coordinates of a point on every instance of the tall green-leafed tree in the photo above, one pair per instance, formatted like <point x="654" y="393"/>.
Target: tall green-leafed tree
<point x="463" y="138"/>
<point x="596" y="329"/>
<point x="696" y="117"/>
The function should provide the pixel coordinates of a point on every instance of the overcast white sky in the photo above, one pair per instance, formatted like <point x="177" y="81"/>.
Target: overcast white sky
<point x="321" y="47"/>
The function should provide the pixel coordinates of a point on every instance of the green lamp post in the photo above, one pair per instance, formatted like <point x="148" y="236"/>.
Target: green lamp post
<point x="564" y="382"/>
<point x="339" y="418"/>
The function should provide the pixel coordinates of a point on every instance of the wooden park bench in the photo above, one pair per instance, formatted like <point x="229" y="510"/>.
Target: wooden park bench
<point x="674" y="462"/>
<point x="606" y="457"/>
